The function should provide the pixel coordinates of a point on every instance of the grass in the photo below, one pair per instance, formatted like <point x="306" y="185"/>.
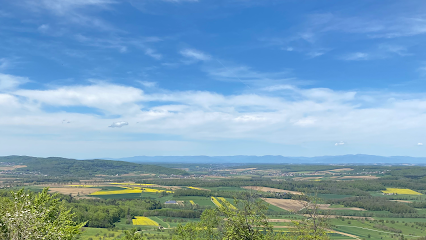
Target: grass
<point x="365" y="228"/>
<point x="332" y="196"/>
<point x="95" y="233"/>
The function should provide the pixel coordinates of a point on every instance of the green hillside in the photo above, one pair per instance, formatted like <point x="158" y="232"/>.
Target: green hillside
<point x="55" y="166"/>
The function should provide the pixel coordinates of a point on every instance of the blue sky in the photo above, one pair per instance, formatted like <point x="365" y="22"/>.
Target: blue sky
<point x="111" y="78"/>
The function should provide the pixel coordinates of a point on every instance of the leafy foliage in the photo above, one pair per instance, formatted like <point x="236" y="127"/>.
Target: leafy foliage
<point x="250" y="222"/>
<point x="36" y="216"/>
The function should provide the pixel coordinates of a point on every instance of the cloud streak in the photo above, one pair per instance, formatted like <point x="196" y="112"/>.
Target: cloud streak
<point x="118" y="124"/>
<point x="195" y="55"/>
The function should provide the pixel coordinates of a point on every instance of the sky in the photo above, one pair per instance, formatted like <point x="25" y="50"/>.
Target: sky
<point x="120" y="78"/>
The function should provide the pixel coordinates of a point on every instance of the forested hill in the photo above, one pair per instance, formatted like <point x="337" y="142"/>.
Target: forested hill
<point x="55" y="166"/>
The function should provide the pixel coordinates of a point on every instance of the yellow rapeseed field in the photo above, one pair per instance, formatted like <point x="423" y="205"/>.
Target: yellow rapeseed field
<point x="144" y="221"/>
<point x="226" y="203"/>
<point x="194" y="188"/>
<point x="137" y="184"/>
<point x="401" y="191"/>
<point x="127" y="190"/>
<point x="192" y="202"/>
<point x="216" y="202"/>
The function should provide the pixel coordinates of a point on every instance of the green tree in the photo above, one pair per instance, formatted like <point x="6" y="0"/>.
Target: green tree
<point x="31" y="216"/>
<point x="314" y="226"/>
<point x="249" y="222"/>
<point x="133" y="235"/>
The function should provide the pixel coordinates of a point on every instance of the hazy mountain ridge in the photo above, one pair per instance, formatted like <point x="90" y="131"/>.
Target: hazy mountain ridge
<point x="277" y="159"/>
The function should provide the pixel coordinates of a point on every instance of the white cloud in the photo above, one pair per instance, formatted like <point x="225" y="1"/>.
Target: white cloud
<point x="376" y="26"/>
<point x="106" y="97"/>
<point x="422" y="70"/>
<point x="358" y="56"/>
<point x="72" y="11"/>
<point x="148" y="84"/>
<point x="151" y="52"/>
<point x="43" y="28"/>
<point x="339" y="143"/>
<point x="10" y="82"/>
<point x="281" y="114"/>
<point x="419" y="144"/>
<point x="63" y="7"/>
<point x="195" y="55"/>
<point x="395" y="49"/>
<point x="118" y="124"/>
<point x="4" y="63"/>
<point x="316" y="53"/>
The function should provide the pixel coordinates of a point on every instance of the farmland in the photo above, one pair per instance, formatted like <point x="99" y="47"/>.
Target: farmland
<point x="144" y="221"/>
<point x="376" y="201"/>
<point x="400" y="191"/>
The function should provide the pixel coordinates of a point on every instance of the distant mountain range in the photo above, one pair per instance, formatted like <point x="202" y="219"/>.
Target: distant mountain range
<point x="269" y="159"/>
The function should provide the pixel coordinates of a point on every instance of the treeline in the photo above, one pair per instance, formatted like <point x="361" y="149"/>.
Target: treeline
<point x="374" y="204"/>
<point x="226" y="194"/>
<point x="55" y="166"/>
<point x="357" y="188"/>
<point x="102" y="213"/>
<point x="174" y="213"/>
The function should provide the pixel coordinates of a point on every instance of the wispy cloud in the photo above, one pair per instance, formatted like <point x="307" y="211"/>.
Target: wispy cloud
<point x="148" y="84"/>
<point x="394" y="49"/>
<point x="73" y="11"/>
<point x="152" y="53"/>
<point x="422" y="70"/>
<point x="118" y="124"/>
<point x="195" y="54"/>
<point x="358" y="56"/>
<point x="11" y="82"/>
<point x="63" y="7"/>
<point x="4" y="63"/>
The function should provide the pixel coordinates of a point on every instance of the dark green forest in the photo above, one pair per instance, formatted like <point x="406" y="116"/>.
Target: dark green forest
<point x="55" y="166"/>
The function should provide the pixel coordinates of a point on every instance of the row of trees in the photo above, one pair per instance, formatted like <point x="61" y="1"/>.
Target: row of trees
<point x="375" y="204"/>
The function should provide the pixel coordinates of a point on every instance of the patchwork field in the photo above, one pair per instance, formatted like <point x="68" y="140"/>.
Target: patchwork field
<point x="74" y="191"/>
<point x="10" y="168"/>
<point x="268" y="189"/>
<point x="286" y="204"/>
<point x="127" y="190"/>
<point x="359" y="177"/>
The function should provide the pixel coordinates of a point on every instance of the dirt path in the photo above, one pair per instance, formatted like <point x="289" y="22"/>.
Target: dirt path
<point x="345" y="234"/>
